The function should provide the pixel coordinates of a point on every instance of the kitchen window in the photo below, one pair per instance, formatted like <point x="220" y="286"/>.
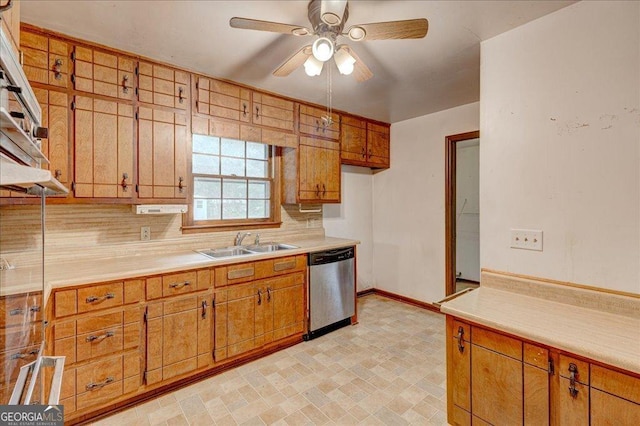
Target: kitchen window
<point x="233" y="183"/>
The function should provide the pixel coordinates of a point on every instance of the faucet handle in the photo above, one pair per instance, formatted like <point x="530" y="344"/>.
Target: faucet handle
<point x="257" y="241"/>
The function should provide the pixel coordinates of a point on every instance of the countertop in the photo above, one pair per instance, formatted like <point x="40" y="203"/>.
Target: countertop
<point x="59" y="275"/>
<point x="602" y="334"/>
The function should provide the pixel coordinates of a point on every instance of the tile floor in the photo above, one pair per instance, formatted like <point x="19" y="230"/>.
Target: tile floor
<point x="387" y="370"/>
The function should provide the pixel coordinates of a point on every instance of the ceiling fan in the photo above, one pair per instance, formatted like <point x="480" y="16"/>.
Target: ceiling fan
<point x="328" y="18"/>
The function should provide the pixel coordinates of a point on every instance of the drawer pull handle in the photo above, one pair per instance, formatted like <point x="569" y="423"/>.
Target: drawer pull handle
<point x="257" y="112"/>
<point x="282" y="266"/>
<point x="268" y="294"/>
<point x="93" y="338"/>
<point x="244" y="109"/>
<point x="461" y="339"/>
<point x="179" y="285"/>
<point x="23" y="355"/>
<point x="125" y="80"/>
<point x="204" y="309"/>
<point x="92" y="299"/>
<point x="20" y="311"/>
<point x="108" y="380"/>
<point x="573" y="372"/>
<point x="180" y="97"/>
<point x="57" y="69"/>
<point x="259" y="297"/>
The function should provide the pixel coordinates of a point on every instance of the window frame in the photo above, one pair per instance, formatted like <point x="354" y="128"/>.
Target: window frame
<point x="190" y="225"/>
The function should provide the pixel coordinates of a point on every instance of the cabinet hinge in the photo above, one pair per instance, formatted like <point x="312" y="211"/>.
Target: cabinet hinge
<point x="136" y="91"/>
<point x="136" y="70"/>
<point x="73" y="106"/>
<point x="197" y="83"/>
<point x="73" y="186"/>
<point x="551" y="368"/>
<point x="73" y="56"/>
<point x="146" y="313"/>
<point x="213" y="303"/>
<point x="136" y="115"/>
<point x="137" y="189"/>
<point x="144" y="378"/>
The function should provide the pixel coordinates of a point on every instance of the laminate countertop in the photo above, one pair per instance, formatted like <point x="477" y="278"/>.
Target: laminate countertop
<point x="60" y="275"/>
<point x="597" y="325"/>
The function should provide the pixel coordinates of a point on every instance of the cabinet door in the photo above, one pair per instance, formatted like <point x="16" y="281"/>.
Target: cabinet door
<point x="162" y="154"/>
<point x="318" y="174"/>
<point x="46" y="60"/>
<point x="458" y="372"/>
<point x="241" y="312"/>
<point x="103" y="73"/>
<point x="272" y="111"/>
<point x="377" y="145"/>
<point x="55" y="116"/>
<point x="572" y="392"/>
<point x="313" y="123"/>
<point x="224" y="100"/>
<point x="103" y="148"/>
<point x="615" y="397"/>
<point x="353" y="140"/>
<point x="331" y="183"/>
<point x="264" y="315"/>
<point x="163" y="86"/>
<point x="536" y="385"/>
<point x="496" y="378"/>
<point x="288" y="302"/>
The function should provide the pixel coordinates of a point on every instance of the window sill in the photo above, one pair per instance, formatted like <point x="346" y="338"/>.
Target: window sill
<point x="196" y="229"/>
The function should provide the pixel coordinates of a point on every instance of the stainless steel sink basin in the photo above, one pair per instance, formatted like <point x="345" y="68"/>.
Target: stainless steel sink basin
<point x="267" y="247"/>
<point x="225" y="252"/>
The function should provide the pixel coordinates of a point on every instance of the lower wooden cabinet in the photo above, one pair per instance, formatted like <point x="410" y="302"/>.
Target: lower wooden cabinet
<point x="179" y="336"/>
<point x="495" y="379"/>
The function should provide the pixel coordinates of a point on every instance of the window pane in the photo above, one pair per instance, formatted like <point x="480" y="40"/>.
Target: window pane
<point x="258" y="209"/>
<point x="206" y="144"/>
<point x="207" y="209"/>
<point x="232" y="166"/>
<point x="206" y="164"/>
<point x="259" y="151"/>
<point x="257" y="168"/>
<point x="206" y="188"/>
<point x="259" y="189"/>
<point x="234" y="188"/>
<point x="232" y="148"/>
<point x="234" y="209"/>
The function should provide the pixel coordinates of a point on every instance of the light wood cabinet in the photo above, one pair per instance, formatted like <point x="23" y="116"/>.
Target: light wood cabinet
<point x="11" y="26"/>
<point x="103" y="148"/>
<point x="103" y="73"/>
<point x="46" y="59"/>
<point x="313" y="122"/>
<point x="497" y="379"/>
<point x="364" y="143"/>
<point x="55" y="116"/>
<point x="163" y="86"/>
<point x="223" y="100"/>
<point x="312" y="172"/>
<point x="179" y="336"/>
<point x="163" y="140"/>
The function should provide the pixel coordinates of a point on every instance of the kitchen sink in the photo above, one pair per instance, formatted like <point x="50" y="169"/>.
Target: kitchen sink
<point x="225" y="252"/>
<point x="245" y="250"/>
<point x="267" y="247"/>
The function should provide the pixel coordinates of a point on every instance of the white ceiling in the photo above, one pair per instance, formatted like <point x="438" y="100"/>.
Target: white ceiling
<point x="411" y="77"/>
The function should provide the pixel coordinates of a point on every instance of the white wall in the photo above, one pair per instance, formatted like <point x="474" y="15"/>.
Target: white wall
<point x="468" y="209"/>
<point x="560" y="147"/>
<point x="408" y="205"/>
<point x="353" y="218"/>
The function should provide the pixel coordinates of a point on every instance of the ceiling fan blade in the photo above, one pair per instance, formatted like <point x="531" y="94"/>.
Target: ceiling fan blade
<point x="274" y="27"/>
<point x="293" y="62"/>
<point x="361" y="71"/>
<point x="410" y="28"/>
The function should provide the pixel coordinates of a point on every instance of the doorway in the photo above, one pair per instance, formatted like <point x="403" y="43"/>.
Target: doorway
<point x="462" y="213"/>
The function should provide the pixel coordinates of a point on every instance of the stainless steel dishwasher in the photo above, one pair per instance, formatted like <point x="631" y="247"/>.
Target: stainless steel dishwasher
<point x="331" y="290"/>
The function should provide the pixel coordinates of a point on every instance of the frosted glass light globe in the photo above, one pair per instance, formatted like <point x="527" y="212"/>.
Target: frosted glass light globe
<point x="322" y="49"/>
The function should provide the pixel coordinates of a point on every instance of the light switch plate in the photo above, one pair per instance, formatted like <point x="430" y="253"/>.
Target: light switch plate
<point x="526" y="239"/>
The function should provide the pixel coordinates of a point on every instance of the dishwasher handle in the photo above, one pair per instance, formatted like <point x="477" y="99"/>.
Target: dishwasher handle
<point x="331" y="256"/>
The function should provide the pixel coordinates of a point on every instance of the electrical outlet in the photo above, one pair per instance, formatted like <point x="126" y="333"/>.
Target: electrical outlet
<point x="526" y="239"/>
<point x="145" y="233"/>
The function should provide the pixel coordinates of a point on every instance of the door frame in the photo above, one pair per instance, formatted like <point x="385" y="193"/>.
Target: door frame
<point x="450" y="207"/>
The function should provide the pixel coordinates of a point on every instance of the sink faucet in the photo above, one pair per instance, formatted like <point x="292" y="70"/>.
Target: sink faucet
<point x="240" y="236"/>
<point x="257" y="241"/>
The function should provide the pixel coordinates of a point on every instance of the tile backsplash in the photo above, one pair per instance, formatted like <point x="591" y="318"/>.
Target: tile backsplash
<point x="95" y="231"/>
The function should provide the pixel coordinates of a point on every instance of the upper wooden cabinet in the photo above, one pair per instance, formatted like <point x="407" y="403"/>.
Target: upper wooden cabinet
<point x="162" y="154"/>
<point x="163" y="86"/>
<point x="271" y="111"/>
<point x="11" y="25"/>
<point x="313" y="122"/>
<point x="364" y="143"/>
<point x="46" y="60"/>
<point x="55" y="116"/>
<point x="103" y="73"/>
<point x="103" y="148"/>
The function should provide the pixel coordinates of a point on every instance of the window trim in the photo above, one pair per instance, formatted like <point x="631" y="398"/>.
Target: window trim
<point x="189" y="225"/>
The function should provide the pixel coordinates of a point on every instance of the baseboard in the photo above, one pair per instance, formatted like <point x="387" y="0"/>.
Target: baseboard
<point x="409" y="301"/>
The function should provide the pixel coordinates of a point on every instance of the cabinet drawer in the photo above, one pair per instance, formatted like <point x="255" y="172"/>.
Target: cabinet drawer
<point x="11" y="362"/>
<point x="181" y="283"/>
<point x="536" y="356"/>
<point x="280" y="266"/>
<point x="12" y="338"/>
<point x="20" y="309"/>
<point x="96" y="297"/>
<point x="235" y="274"/>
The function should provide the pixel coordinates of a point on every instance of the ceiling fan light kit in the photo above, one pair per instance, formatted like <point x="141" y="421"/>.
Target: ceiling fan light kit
<point x="312" y="66"/>
<point x="328" y="18"/>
